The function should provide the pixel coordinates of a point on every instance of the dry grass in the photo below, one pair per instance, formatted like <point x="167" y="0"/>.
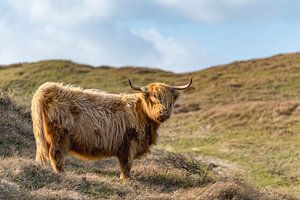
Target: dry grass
<point x="241" y="119"/>
<point x="15" y="128"/>
<point x="230" y="189"/>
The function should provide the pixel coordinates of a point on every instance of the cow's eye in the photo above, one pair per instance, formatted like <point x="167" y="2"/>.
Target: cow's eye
<point x="159" y="99"/>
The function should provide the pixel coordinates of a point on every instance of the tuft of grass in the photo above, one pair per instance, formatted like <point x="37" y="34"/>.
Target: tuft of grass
<point x="180" y="162"/>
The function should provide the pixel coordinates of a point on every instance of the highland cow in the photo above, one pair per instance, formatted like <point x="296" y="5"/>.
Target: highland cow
<point x="92" y="124"/>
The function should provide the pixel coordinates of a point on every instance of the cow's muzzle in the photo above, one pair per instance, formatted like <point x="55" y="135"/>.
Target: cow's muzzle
<point x="163" y="115"/>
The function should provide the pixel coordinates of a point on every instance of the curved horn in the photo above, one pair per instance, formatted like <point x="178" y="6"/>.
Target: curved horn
<point x="134" y="87"/>
<point x="183" y="87"/>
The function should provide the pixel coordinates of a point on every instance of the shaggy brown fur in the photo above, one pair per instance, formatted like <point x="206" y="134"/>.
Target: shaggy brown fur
<point x="91" y="124"/>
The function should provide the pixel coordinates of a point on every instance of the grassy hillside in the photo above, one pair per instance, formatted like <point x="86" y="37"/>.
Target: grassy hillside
<point x="241" y="119"/>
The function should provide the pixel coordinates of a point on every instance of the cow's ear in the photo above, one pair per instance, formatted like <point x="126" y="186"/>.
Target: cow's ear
<point x="145" y="91"/>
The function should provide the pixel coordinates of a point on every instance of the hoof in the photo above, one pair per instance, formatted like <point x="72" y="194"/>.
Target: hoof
<point x="58" y="169"/>
<point x="124" y="177"/>
<point x="42" y="160"/>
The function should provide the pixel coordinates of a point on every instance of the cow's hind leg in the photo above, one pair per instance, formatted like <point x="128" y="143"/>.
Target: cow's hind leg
<point x="58" y="150"/>
<point x="41" y="157"/>
<point x="56" y="155"/>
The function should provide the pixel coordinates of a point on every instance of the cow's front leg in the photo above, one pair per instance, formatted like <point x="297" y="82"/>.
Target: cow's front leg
<point x="125" y="165"/>
<point x="125" y="157"/>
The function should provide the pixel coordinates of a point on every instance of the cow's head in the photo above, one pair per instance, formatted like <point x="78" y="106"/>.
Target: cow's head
<point x="159" y="99"/>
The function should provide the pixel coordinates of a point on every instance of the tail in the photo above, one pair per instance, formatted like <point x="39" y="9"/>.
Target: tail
<point x="42" y="147"/>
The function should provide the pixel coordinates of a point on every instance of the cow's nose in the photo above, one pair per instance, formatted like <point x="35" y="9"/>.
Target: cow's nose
<point x="164" y="112"/>
<point x="163" y="115"/>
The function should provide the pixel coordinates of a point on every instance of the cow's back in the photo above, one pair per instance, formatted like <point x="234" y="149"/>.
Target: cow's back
<point x="93" y="121"/>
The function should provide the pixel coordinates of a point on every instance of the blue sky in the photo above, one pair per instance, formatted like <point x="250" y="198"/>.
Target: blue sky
<point x="173" y="35"/>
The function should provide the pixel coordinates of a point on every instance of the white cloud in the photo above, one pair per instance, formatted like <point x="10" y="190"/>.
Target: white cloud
<point x="7" y="41"/>
<point x="205" y="11"/>
<point x="63" y="13"/>
<point x="171" y="53"/>
<point x="73" y="12"/>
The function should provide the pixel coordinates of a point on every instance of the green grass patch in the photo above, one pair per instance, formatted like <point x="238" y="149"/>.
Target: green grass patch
<point x="268" y="160"/>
